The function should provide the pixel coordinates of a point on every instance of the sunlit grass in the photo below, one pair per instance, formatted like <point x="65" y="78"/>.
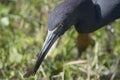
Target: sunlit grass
<point x="22" y="38"/>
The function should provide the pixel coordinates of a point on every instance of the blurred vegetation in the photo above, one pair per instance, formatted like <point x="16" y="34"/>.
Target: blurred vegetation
<point x="23" y="27"/>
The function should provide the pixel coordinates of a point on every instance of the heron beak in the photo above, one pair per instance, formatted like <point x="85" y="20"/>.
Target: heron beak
<point x="52" y="36"/>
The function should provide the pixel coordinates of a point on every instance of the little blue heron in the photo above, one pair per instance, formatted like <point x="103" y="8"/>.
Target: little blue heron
<point x="86" y="15"/>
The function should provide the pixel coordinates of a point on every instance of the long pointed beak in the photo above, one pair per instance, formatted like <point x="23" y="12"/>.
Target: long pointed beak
<point x="52" y="36"/>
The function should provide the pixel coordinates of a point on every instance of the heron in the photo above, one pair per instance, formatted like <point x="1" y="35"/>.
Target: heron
<point x="86" y="15"/>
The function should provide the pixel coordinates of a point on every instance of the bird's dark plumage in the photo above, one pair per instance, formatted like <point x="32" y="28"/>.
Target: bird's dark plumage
<point x="72" y="12"/>
<point x="86" y="15"/>
<point x="89" y="15"/>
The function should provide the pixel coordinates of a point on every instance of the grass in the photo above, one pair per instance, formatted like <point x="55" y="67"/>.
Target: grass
<point x="23" y="27"/>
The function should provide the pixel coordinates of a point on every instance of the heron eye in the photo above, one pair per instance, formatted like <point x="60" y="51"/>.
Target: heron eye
<point x="58" y="28"/>
<point x="60" y="25"/>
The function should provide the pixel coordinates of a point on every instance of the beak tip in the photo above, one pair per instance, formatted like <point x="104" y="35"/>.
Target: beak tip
<point x="29" y="73"/>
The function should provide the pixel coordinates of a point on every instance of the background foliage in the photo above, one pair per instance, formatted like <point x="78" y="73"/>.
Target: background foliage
<point x="23" y="27"/>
